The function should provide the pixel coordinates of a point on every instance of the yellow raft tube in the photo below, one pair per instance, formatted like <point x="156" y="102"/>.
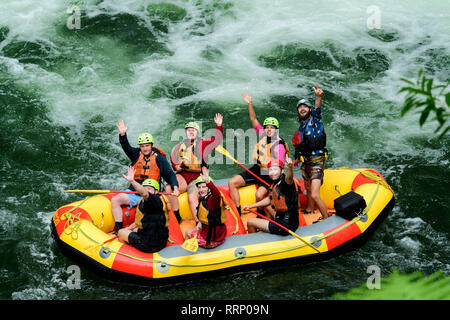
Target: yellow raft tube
<point x="82" y="230"/>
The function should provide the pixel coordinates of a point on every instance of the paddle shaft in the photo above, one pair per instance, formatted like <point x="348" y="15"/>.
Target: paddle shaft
<point x="111" y="191"/>
<point x="284" y="228"/>
<point x="104" y="242"/>
<point x="226" y="153"/>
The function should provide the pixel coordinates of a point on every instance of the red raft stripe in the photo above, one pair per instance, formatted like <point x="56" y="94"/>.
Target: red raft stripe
<point x="131" y="265"/>
<point x="175" y="233"/>
<point x="342" y="236"/>
<point x="360" y="179"/>
<point x="60" y="223"/>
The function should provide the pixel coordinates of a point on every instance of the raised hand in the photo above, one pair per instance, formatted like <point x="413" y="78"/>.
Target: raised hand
<point x="122" y="127"/>
<point x="130" y="174"/>
<point x="247" y="98"/>
<point x="218" y="119"/>
<point x="289" y="162"/>
<point x="205" y="174"/>
<point x="318" y="91"/>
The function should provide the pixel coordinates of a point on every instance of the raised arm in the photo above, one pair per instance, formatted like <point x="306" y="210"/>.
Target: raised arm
<point x="251" y="111"/>
<point x="138" y="187"/>
<point x="319" y="94"/>
<point x="210" y="144"/>
<point x="132" y="153"/>
<point x="289" y="171"/>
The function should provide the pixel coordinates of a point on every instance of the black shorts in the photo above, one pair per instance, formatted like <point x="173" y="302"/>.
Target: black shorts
<point x="139" y="242"/>
<point x="263" y="173"/>
<point x="273" y="228"/>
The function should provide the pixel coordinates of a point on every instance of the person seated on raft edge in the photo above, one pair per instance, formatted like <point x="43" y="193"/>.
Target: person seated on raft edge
<point x="150" y="230"/>
<point x="149" y="162"/>
<point x="211" y="230"/>
<point x="270" y="146"/>
<point x="309" y="141"/>
<point x="282" y="201"/>
<point x="188" y="159"/>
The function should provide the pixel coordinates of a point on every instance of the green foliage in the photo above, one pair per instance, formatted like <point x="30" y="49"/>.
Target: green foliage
<point x="403" y="287"/>
<point x="420" y="96"/>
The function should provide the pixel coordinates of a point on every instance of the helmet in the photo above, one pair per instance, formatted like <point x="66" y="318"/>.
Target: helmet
<point x="192" y="124"/>
<point x="305" y="102"/>
<point x="275" y="162"/>
<point x="145" y="138"/>
<point x="152" y="183"/>
<point x="271" y="121"/>
<point x="200" y="180"/>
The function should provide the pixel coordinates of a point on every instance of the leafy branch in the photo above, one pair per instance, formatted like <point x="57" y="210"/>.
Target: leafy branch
<point x="422" y="97"/>
<point x="399" y="286"/>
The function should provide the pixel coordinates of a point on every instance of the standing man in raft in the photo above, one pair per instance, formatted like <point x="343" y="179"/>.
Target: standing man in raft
<point x="309" y="142"/>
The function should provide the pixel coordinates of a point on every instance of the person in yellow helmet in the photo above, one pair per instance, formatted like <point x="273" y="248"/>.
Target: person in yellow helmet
<point x="150" y="230"/>
<point x="211" y="230"/>
<point x="188" y="159"/>
<point x="270" y="146"/>
<point x="149" y="162"/>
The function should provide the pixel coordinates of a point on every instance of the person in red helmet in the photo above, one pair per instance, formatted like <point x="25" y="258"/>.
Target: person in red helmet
<point x="282" y="201"/>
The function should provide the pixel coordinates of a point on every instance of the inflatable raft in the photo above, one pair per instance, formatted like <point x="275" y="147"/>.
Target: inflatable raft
<point x="82" y="230"/>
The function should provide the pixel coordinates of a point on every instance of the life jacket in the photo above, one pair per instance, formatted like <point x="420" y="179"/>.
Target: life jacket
<point x="263" y="151"/>
<point x="146" y="167"/>
<point x="157" y="219"/>
<point x="210" y="218"/>
<point x="189" y="155"/>
<point x="287" y="211"/>
<point x="307" y="144"/>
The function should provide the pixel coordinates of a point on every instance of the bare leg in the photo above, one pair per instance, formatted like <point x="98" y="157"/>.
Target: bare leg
<point x="181" y="187"/>
<point x="310" y="205"/>
<point x="117" y="202"/>
<point x="255" y="224"/>
<point x="315" y="195"/>
<point x="193" y="203"/>
<point x="260" y="194"/>
<point x="233" y="184"/>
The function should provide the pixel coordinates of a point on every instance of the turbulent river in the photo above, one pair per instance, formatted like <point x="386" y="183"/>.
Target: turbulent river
<point x="70" y="69"/>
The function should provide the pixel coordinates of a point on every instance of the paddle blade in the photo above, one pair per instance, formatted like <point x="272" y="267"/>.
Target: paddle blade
<point x="191" y="244"/>
<point x="223" y="151"/>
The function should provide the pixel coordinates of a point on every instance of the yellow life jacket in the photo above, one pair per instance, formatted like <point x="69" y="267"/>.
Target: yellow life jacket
<point x="139" y="214"/>
<point x="188" y="154"/>
<point x="209" y="217"/>
<point x="263" y="151"/>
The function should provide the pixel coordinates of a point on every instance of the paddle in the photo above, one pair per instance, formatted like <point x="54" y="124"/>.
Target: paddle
<point x="100" y="244"/>
<point x="227" y="154"/>
<point x="284" y="228"/>
<point x="112" y="191"/>
<point x="191" y="244"/>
